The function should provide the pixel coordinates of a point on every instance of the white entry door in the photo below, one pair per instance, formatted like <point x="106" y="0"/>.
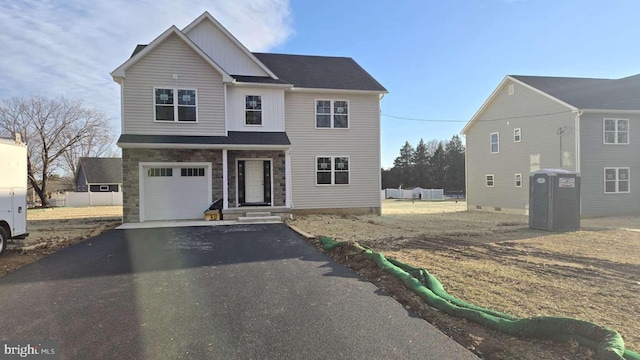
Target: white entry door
<point x="254" y="181"/>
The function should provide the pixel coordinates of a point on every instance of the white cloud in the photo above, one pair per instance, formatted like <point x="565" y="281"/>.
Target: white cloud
<point x="69" y="47"/>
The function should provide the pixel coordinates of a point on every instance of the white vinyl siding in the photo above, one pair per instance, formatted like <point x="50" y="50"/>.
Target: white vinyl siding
<point x="272" y="108"/>
<point x="156" y="71"/>
<point x="494" y="140"/>
<point x="223" y="51"/>
<point x="616" y="180"/>
<point x="490" y="180"/>
<point x="361" y="144"/>
<point x="615" y="131"/>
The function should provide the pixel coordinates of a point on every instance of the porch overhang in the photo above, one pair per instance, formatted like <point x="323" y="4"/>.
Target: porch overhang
<point x="236" y="140"/>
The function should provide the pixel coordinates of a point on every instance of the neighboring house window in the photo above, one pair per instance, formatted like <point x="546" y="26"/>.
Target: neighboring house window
<point x="155" y="172"/>
<point x="253" y="110"/>
<point x="104" y="188"/>
<point x="495" y="142"/>
<point x="616" y="131"/>
<point x="616" y="180"/>
<point x="192" y="172"/>
<point x="517" y="135"/>
<point x="332" y="170"/>
<point x="175" y="105"/>
<point x="518" y="178"/>
<point x="534" y="162"/>
<point x="332" y="114"/>
<point x="489" y="180"/>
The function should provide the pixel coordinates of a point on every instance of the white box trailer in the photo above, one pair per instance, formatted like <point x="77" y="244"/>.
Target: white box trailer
<point x="13" y="191"/>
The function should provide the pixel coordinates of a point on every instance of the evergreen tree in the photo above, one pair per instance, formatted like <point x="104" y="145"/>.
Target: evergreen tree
<point x="404" y="165"/>
<point x="421" y="165"/>
<point x="455" y="173"/>
<point x="438" y="167"/>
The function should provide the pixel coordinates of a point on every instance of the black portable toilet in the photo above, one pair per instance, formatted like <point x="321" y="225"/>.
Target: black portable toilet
<point x="554" y="200"/>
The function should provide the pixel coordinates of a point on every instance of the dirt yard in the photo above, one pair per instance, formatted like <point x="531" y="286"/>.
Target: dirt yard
<point x="496" y="261"/>
<point x="57" y="228"/>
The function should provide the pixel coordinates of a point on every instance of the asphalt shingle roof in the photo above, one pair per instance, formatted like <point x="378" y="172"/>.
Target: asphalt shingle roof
<point x="588" y="93"/>
<point x="234" y="138"/>
<point x="102" y="170"/>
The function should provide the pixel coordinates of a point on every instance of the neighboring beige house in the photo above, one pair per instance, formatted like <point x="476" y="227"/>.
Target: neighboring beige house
<point x="203" y="118"/>
<point x="590" y="126"/>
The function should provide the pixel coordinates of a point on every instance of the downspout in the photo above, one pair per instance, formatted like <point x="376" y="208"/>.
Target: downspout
<point x="576" y="127"/>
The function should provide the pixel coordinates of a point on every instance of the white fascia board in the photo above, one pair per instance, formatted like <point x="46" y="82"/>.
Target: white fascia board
<point x="340" y="91"/>
<point x="215" y="22"/>
<point x="202" y="146"/>
<point x="610" y="111"/>
<point x="497" y="91"/>
<point x="250" y="84"/>
<point x="119" y="73"/>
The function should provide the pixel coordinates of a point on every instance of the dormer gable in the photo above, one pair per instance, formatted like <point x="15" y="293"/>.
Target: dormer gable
<point x="221" y="46"/>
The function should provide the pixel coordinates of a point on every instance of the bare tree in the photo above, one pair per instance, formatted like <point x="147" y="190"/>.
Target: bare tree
<point x="51" y="128"/>
<point x="99" y="142"/>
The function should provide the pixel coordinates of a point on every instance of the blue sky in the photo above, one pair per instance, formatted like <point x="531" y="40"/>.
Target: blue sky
<point x="439" y="60"/>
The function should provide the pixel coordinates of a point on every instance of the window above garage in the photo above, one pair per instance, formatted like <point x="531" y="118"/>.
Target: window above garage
<point x="175" y="105"/>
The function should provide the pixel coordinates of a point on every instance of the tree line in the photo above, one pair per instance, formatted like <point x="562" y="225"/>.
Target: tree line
<point x="431" y="165"/>
<point x="58" y="132"/>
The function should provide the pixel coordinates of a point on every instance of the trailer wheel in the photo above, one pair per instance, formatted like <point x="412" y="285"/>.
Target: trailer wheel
<point x="3" y="240"/>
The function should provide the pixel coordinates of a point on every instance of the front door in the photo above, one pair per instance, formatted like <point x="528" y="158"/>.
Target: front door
<point x="254" y="182"/>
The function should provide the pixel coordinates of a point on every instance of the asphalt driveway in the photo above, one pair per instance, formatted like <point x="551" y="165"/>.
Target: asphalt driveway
<point x="227" y="292"/>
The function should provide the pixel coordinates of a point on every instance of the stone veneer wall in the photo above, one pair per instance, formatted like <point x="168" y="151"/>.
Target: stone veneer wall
<point x="130" y="170"/>
<point x="278" y="167"/>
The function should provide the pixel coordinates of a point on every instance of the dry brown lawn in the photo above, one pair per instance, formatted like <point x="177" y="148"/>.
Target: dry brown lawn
<point x="495" y="260"/>
<point x="56" y="228"/>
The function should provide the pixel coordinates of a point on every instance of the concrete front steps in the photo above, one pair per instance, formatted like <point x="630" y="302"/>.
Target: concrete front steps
<point x="258" y="217"/>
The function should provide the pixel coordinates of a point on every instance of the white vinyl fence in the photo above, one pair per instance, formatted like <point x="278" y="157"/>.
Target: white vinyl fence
<point x="93" y="198"/>
<point x="417" y="194"/>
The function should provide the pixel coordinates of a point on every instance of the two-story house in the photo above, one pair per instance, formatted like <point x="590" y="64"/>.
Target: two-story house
<point x="203" y="118"/>
<point x="590" y="126"/>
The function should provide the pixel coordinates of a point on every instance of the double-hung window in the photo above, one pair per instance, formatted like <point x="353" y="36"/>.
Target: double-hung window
<point x="253" y="110"/>
<point x="517" y="135"/>
<point x="489" y="180"/>
<point x="616" y="180"/>
<point x="332" y="170"/>
<point x="615" y="131"/>
<point x="495" y="142"/>
<point x="332" y="114"/>
<point x="518" y="180"/>
<point x="175" y="105"/>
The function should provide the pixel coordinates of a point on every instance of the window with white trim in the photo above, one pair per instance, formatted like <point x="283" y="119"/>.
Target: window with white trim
<point x="332" y="170"/>
<point x="616" y="180"/>
<point x="159" y="172"/>
<point x="517" y="135"/>
<point x="494" y="140"/>
<point x="615" y="131"/>
<point x="253" y="110"/>
<point x="489" y="180"/>
<point x="177" y="105"/>
<point x="518" y="180"/>
<point x="104" y="187"/>
<point x="332" y="114"/>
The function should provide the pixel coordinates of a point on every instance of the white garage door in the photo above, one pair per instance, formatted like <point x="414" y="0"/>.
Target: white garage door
<point x="175" y="192"/>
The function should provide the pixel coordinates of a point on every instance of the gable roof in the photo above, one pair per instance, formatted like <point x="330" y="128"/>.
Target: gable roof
<point x="320" y="72"/>
<point x="577" y="94"/>
<point x="207" y="17"/>
<point x="101" y="170"/>
<point x="140" y="51"/>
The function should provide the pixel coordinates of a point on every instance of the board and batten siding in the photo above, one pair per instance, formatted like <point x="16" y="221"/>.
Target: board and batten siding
<point x="223" y="51"/>
<point x="539" y="119"/>
<point x="272" y="108"/>
<point x="361" y="142"/>
<point x="595" y="156"/>
<point x="156" y="70"/>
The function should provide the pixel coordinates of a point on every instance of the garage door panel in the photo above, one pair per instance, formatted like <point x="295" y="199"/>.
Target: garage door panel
<point x="175" y="197"/>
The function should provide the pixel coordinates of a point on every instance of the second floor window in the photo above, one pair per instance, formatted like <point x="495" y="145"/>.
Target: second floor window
<point x="253" y="110"/>
<point x="332" y="114"/>
<point x="517" y="135"/>
<point x="495" y="143"/>
<point x="616" y="131"/>
<point x="175" y="105"/>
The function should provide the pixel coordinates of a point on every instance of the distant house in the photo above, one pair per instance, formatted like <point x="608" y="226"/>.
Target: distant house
<point x="96" y="174"/>
<point x="591" y="126"/>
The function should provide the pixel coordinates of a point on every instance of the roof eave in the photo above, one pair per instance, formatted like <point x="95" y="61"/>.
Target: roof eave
<point x="118" y="74"/>
<point x="610" y="111"/>
<point x="201" y="146"/>
<point x="244" y="84"/>
<point x="344" y="91"/>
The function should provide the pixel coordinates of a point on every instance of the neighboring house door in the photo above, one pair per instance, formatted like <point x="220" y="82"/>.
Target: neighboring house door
<point x="254" y="182"/>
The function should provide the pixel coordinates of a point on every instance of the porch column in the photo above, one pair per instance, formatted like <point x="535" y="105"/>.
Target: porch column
<point x="225" y="180"/>
<point x="287" y="174"/>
